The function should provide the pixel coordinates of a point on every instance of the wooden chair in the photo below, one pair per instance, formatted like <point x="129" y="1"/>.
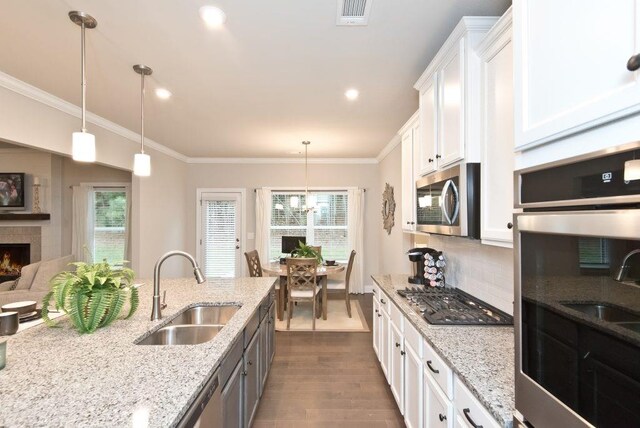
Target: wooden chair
<point x="253" y="260"/>
<point x="255" y="270"/>
<point x="301" y="285"/>
<point x="317" y="249"/>
<point x="339" y="286"/>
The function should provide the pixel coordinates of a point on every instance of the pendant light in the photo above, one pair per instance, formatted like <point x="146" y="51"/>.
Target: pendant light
<point x="142" y="161"/>
<point x="309" y="204"/>
<point x="83" y="143"/>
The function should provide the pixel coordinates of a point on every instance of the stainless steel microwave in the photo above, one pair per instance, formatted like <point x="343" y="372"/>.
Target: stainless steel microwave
<point x="448" y="201"/>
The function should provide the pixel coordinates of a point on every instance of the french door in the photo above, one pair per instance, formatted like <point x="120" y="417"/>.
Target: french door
<point x="220" y="234"/>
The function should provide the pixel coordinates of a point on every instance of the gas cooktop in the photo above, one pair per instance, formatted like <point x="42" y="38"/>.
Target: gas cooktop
<point x="450" y="306"/>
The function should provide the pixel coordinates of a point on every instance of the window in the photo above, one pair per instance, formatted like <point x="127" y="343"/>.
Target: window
<point x="326" y="226"/>
<point x="109" y="228"/>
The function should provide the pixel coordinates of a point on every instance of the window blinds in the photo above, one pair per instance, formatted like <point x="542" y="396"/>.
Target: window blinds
<point x="219" y="238"/>
<point x="110" y="208"/>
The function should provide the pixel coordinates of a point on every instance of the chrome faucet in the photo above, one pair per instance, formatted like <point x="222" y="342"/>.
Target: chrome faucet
<point x="624" y="267"/>
<point x="156" y="312"/>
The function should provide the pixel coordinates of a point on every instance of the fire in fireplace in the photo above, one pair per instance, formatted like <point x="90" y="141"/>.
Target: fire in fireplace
<point x="12" y="258"/>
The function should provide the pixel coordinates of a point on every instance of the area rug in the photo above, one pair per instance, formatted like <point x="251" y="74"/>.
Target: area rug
<point x="337" y="318"/>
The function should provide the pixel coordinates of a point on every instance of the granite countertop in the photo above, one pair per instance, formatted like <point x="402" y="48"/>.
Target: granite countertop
<point x="56" y="377"/>
<point x="481" y="356"/>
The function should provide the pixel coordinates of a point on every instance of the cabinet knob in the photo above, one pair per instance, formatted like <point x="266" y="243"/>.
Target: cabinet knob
<point x="442" y="417"/>
<point x="379" y="315"/>
<point x="438" y="156"/>
<point x="402" y="353"/>
<point x="634" y="63"/>
<point x="250" y="363"/>
<point x="397" y="345"/>
<point x="430" y="160"/>
<point x="509" y="225"/>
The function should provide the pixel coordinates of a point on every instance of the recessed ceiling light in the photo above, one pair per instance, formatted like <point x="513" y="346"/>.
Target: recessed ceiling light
<point x="163" y="93"/>
<point x="352" y="94"/>
<point x="213" y="16"/>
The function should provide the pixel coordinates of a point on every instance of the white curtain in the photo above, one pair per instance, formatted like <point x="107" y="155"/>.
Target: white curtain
<point x="127" y="226"/>
<point x="82" y="223"/>
<point x="356" y="238"/>
<point x="263" y="223"/>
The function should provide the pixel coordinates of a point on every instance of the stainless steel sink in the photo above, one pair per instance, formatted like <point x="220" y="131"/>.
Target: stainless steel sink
<point x="604" y="312"/>
<point x="633" y="326"/>
<point x="182" y="335"/>
<point x="206" y="315"/>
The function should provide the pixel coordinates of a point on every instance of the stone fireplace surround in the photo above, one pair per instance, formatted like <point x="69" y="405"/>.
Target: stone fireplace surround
<point x="31" y="235"/>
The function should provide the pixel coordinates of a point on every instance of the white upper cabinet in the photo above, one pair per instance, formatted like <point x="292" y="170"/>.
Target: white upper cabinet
<point x="449" y="99"/>
<point x="496" y="93"/>
<point x="426" y="147"/>
<point x="451" y="106"/>
<point x="571" y="66"/>
<point x="409" y="135"/>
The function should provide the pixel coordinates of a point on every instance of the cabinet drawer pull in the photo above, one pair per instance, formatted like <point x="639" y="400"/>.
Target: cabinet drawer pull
<point x="509" y="225"/>
<point x="471" y="421"/>
<point x="634" y="63"/>
<point x="438" y="156"/>
<point x="382" y="301"/>
<point x="431" y="367"/>
<point x="442" y="417"/>
<point x="430" y="160"/>
<point x="397" y="345"/>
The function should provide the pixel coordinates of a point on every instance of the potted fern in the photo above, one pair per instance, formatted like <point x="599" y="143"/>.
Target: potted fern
<point x="306" y="251"/>
<point x="93" y="296"/>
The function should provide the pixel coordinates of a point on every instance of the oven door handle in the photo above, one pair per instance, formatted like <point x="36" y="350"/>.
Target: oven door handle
<point x="615" y="224"/>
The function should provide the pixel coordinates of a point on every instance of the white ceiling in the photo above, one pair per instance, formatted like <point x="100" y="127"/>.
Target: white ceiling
<point x="273" y="76"/>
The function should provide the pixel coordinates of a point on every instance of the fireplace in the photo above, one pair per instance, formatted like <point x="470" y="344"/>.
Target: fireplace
<point x="12" y="258"/>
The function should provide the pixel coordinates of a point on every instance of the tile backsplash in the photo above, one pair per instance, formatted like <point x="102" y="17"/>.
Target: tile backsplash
<point x="485" y="271"/>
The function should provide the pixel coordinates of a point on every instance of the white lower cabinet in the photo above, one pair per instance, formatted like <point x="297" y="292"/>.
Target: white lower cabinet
<point x="428" y="393"/>
<point x="413" y="387"/>
<point x="385" y="344"/>
<point x="397" y="366"/>
<point x="471" y="412"/>
<point x="377" y="316"/>
<point x="438" y="408"/>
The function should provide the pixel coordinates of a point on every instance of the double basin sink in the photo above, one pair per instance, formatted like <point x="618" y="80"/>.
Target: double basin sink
<point x="195" y="325"/>
<point x="608" y="313"/>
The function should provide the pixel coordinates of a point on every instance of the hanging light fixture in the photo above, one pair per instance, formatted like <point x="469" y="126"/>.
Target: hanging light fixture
<point x="142" y="161"/>
<point x="309" y="203"/>
<point x="83" y="143"/>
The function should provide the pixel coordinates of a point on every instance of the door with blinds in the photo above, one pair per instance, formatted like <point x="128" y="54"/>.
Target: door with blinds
<point x="220" y="235"/>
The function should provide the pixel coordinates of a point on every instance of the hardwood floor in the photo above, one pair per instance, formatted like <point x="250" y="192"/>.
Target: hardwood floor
<point x="327" y="380"/>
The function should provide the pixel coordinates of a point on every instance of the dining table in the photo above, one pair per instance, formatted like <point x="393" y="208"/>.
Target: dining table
<point x="276" y="269"/>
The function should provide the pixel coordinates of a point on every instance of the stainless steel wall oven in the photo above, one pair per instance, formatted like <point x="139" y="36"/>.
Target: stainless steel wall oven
<point x="577" y="298"/>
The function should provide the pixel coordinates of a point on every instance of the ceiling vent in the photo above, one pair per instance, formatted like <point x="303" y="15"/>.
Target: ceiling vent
<point x="353" y="12"/>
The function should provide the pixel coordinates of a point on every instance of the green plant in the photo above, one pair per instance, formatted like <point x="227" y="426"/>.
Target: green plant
<point x="93" y="296"/>
<point x="306" y="251"/>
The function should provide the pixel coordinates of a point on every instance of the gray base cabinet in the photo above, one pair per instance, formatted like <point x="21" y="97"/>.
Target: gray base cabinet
<point x="232" y="399"/>
<point x="251" y="378"/>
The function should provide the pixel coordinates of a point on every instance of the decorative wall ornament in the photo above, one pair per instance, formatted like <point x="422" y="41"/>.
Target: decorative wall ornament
<point x="388" y="208"/>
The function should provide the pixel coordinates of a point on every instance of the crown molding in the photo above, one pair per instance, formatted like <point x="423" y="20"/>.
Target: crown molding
<point x="326" y="161"/>
<point x="18" y="86"/>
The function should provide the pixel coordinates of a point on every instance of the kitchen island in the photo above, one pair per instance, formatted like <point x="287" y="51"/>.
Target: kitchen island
<point x="58" y="377"/>
<point x="482" y="357"/>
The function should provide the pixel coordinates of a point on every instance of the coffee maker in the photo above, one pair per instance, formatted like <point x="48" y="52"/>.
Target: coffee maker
<point x="416" y="256"/>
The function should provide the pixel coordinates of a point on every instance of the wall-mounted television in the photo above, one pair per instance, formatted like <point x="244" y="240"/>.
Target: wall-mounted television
<point x="12" y="187"/>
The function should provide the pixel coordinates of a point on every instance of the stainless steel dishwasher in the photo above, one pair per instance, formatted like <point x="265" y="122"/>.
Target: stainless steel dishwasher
<point x="206" y="410"/>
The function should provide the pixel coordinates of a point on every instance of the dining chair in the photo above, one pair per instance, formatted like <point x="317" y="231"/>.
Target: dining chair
<point x="317" y="249"/>
<point x="342" y="286"/>
<point x="253" y="260"/>
<point x="301" y="285"/>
